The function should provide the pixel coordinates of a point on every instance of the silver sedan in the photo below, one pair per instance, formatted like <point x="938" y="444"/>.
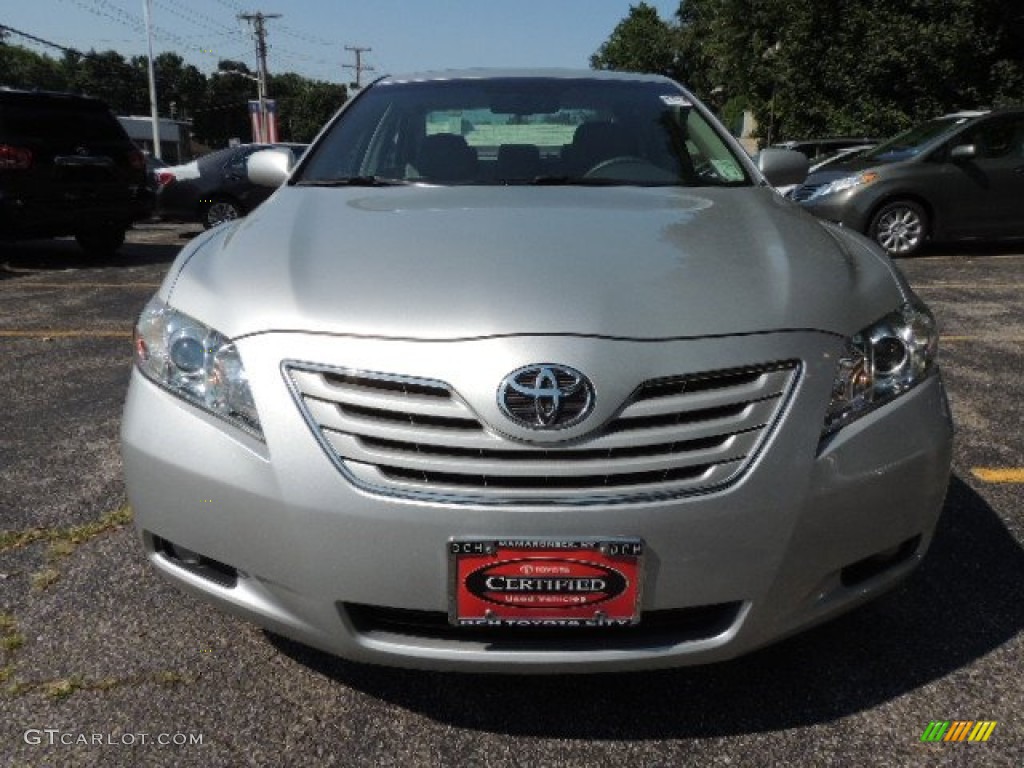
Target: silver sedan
<point x="534" y="372"/>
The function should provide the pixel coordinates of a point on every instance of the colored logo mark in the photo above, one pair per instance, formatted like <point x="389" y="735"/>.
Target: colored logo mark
<point x="958" y="730"/>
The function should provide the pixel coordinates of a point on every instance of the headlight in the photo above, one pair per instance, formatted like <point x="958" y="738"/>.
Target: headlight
<point x="196" y="363"/>
<point x="882" y="362"/>
<point x="845" y="183"/>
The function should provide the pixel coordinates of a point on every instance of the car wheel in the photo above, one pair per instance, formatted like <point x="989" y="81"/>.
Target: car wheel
<point x="219" y="211"/>
<point x="901" y="227"/>
<point x="101" y="242"/>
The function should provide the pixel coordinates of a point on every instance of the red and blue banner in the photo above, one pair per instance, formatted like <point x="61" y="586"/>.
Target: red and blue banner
<point x="263" y="133"/>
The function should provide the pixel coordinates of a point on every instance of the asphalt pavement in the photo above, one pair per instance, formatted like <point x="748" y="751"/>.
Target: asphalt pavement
<point x="102" y="663"/>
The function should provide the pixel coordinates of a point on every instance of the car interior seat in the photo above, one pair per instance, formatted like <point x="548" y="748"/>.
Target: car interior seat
<point x="446" y="157"/>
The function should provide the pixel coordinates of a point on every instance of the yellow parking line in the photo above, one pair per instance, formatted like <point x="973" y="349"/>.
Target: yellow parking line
<point x="993" y="475"/>
<point x="85" y="285"/>
<point x="55" y="334"/>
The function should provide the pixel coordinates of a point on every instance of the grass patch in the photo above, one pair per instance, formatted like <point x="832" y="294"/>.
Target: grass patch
<point x="63" y="687"/>
<point x="63" y="541"/>
<point x="44" y="579"/>
<point x="10" y="639"/>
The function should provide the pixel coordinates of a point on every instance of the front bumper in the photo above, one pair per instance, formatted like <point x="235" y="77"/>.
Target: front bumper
<point x="851" y="208"/>
<point x="310" y="556"/>
<point x="24" y="217"/>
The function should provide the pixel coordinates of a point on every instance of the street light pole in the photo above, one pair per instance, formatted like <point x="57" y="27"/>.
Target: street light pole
<point x="154" y="117"/>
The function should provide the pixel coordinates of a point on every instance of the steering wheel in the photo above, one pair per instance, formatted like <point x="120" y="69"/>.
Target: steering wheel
<point x="629" y="168"/>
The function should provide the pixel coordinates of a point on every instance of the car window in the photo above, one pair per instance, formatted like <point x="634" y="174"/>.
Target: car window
<point x="997" y="138"/>
<point x="59" y="122"/>
<point x="912" y="142"/>
<point x="237" y="161"/>
<point x="522" y="130"/>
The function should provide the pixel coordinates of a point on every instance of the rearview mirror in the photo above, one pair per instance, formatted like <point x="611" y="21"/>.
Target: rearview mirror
<point x="270" y="167"/>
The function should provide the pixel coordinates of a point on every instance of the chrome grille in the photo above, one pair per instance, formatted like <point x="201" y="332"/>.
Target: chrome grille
<point x="414" y="437"/>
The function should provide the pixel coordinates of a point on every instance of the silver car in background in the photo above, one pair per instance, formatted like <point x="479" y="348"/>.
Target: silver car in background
<point x="534" y="372"/>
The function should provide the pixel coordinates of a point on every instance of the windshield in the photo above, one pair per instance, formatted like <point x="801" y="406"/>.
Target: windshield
<point x="523" y="131"/>
<point x="911" y="142"/>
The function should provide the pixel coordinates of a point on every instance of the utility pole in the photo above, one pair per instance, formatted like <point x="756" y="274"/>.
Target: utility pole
<point x="359" y="67"/>
<point x="258" y="21"/>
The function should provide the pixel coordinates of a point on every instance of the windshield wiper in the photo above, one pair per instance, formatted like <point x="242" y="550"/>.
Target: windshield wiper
<point x="353" y="181"/>
<point x="577" y="181"/>
<point x="597" y="181"/>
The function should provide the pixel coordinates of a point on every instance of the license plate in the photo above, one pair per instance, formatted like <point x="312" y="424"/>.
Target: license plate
<point x="544" y="582"/>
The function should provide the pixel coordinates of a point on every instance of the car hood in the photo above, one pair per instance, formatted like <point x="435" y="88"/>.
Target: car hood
<point x="470" y="262"/>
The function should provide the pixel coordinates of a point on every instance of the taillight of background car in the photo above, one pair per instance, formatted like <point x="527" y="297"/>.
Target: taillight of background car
<point x="164" y="177"/>
<point x="15" y="158"/>
<point x="137" y="160"/>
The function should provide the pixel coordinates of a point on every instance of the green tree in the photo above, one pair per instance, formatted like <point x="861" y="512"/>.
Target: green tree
<point x="224" y="113"/>
<point x="109" y="77"/>
<point x="303" y="105"/>
<point x="23" y="68"/>
<point x="642" y="42"/>
<point x="180" y="88"/>
<point x="817" y="67"/>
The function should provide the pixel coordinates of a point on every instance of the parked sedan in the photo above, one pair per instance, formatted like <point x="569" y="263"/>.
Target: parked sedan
<point x="214" y="188"/>
<point x="956" y="177"/>
<point x="534" y="372"/>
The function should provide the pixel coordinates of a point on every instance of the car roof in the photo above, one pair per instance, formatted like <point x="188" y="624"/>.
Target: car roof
<point x="497" y="74"/>
<point x="19" y="94"/>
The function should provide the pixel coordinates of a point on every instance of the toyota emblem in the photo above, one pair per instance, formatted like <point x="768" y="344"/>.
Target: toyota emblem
<point x="546" y="396"/>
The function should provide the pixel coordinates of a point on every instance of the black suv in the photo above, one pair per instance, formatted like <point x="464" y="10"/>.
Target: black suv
<point x="67" y="167"/>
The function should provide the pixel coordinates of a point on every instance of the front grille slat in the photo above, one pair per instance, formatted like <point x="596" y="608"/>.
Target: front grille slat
<point x="604" y="489"/>
<point x="768" y="384"/>
<point x="415" y="437"/>
<point x="550" y="463"/>
<point x="329" y="416"/>
<point x="656" y="628"/>
<point x="418" y="400"/>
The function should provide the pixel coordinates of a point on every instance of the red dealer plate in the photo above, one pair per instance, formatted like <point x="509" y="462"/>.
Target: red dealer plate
<point x="545" y="583"/>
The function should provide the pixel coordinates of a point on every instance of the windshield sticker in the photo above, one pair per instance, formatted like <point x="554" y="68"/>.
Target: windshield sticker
<point x="676" y="101"/>
<point x="728" y="170"/>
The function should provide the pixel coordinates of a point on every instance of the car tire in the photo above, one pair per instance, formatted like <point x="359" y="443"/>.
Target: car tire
<point x="900" y="227"/>
<point x="101" y="241"/>
<point x="219" y="210"/>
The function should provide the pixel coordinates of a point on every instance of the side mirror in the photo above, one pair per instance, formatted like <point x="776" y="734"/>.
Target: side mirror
<point x="963" y="152"/>
<point x="782" y="167"/>
<point x="270" y="167"/>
